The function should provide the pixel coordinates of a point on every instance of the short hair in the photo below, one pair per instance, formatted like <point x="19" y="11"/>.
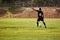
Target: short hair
<point x="39" y="8"/>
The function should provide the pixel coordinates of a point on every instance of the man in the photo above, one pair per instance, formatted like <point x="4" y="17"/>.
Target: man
<point x="40" y="17"/>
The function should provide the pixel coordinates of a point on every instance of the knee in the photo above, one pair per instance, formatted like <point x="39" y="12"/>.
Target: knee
<point x="43" y="22"/>
<point x="37" y="21"/>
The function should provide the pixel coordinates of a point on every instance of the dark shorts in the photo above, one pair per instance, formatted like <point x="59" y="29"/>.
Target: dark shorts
<point x="40" y="19"/>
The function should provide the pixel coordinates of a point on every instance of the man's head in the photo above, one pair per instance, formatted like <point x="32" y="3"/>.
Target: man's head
<point x="39" y="8"/>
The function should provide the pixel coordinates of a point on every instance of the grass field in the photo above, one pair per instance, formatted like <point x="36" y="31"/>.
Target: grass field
<point x="26" y="29"/>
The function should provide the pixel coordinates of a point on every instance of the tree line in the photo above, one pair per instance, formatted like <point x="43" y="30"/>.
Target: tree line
<point x="30" y="2"/>
<point x="13" y="5"/>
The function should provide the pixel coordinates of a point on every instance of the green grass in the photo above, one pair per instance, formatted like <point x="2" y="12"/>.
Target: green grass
<point x="26" y="29"/>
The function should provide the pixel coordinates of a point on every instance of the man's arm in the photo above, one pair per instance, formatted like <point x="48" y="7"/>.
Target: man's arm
<point x="42" y="15"/>
<point x="34" y="9"/>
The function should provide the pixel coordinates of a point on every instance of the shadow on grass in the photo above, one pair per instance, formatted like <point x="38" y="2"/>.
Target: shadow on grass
<point x="28" y="28"/>
<point x="12" y="27"/>
<point x="7" y="27"/>
<point x="53" y="28"/>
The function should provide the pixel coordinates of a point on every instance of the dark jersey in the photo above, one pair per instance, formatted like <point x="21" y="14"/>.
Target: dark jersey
<point x="40" y="13"/>
<point x="40" y="16"/>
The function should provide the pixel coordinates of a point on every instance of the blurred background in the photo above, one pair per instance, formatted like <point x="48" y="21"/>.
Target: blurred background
<point x="22" y="8"/>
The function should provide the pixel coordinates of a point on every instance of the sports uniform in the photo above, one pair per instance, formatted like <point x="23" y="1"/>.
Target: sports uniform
<point x="40" y="17"/>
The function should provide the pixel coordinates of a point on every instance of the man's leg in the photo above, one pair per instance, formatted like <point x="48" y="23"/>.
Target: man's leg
<point x="44" y="24"/>
<point x="37" y="23"/>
